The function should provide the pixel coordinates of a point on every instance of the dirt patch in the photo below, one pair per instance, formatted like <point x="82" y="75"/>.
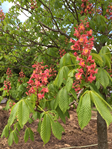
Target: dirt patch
<point x="73" y="135"/>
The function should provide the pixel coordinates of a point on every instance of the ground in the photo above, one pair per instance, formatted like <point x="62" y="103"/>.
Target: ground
<point x="73" y="137"/>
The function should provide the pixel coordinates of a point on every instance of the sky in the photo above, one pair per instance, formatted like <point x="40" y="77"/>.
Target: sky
<point x="6" y="5"/>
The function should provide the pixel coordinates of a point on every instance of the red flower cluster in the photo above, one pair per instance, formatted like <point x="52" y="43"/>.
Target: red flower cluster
<point x="83" y="45"/>
<point x="108" y="14"/>
<point x="7" y="85"/>
<point x="9" y="73"/>
<point x="33" y="4"/>
<point x="21" y="75"/>
<point x="62" y="52"/>
<point x="87" y="7"/>
<point x="2" y="16"/>
<point x="38" y="81"/>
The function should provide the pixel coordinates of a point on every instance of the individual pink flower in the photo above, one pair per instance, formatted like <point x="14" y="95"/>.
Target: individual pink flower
<point x="81" y="27"/>
<point x="78" y="76"/>
<point x="76" y="33"/>
<point x="40" y="96"/>
<point x="82" y="63"/>
<point x="81" y="39"/>
<point x="91" y="78"/>
<point x="37" y="83"/>
<point x="89" y="32"/>
<point x="85" y="51"/>
<point x="80" y="70"/>
<point x="45" y="90"/>
<point x="75" y="54"/>
<point x="31" y="82"/>
<point x="89" y="58"/>
<point x="72" y="47"/>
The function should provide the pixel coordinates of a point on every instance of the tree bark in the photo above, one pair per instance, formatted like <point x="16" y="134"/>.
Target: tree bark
<point x="101" y="132"/>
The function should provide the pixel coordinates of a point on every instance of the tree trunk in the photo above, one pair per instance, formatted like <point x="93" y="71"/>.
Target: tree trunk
<point x="101" y="132"/>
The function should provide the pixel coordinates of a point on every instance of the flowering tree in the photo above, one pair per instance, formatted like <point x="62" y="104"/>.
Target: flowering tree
<point x="84" y="70"/>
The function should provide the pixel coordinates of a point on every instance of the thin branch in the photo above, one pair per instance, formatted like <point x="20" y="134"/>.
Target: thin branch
<point x="78" y="95"/>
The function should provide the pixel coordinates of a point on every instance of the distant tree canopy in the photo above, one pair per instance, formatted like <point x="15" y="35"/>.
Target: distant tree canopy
<point x="46" y="34"/>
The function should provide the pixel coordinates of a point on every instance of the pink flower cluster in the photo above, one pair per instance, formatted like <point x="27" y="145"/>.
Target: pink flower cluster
<point x="83" y="45"/>
<point x="87" y="7"/>
<point x="2" y="16"/>
<point x="62" y="52"/>
<point x="21" y="75"/>
<point x="9" y="73"/>
<point x="7" y="85"/>
<point x="38" y="81"/>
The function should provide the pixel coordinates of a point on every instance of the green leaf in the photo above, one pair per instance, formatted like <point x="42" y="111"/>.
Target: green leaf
<point x="71" y="73"/>
<point x="26" y="135"/>
<point x="63" y="74"/>
<point x="69" y="84"/>
<point x="13" y="114"/>
<point x="65" y="60"/>
<point x="30" y="106"/>
<point x="102" y="106"/>
<point x="61" y="114"/>
<point x="22" y="113"/>
<point x="57" y="129"/>
<point x="18" y="127"/>
<point x="59" y="78"/>
<point x="97" y="59"/>
<point x="105" y="51"/>
<point x="63" y="100"/>
<point x="16" y="139"/>
<point x="45" y="129"/>
<point x="10" y="139"/>
<point x="31" y="134"/>
<point x="84" y="110"/>
<point x="107" y="61"/>
<point x="106" y="56"/>
<point x="72" y="91"/>
<point x="5" y="131"/>
<point x="102" y="77"/>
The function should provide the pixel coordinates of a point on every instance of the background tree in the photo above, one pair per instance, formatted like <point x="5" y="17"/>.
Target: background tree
<point x="46" y="34"/>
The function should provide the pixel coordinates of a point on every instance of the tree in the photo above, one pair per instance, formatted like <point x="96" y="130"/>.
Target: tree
<point x="45" y="36"/>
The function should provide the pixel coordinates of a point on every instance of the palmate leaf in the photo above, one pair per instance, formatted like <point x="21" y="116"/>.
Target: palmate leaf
<point x="102" y="106"/>
<point x="63" y="100"/>
<point x="84" y="110"/>
<point x="45" y="129"/>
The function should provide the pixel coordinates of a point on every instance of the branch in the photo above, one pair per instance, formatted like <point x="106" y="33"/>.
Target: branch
<point x="76" y="13"/>
<point x="69" y="8"/>
<point x="78" y="95"/>
<point x="54" y="30"/>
